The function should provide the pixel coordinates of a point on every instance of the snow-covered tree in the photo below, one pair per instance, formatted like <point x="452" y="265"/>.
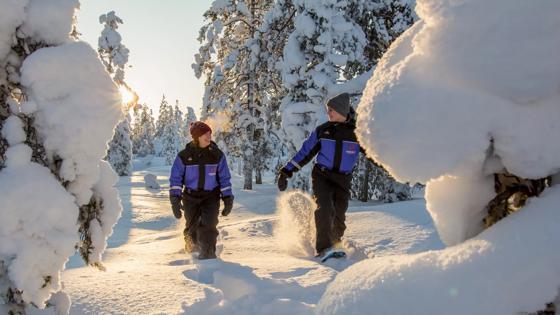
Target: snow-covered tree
<point x="114" y="56"/>
<point x="228" y="58"/>
<point x="272" y="35"/>
<point x="382" y="21"/>
<point x="189" y="118"/>
<point x="165" y="117"/>
<point x="319" y="49"/>
<point x="47" y="151"/>
<point x="171" y="137"/>
<point x="371" y="181"/>
<point x="111" y="50"/>
<point x="178" y="121"/>
<point x="449" y="105"/>
<point x="119" y="154"/>
<point x="143" y="131"/>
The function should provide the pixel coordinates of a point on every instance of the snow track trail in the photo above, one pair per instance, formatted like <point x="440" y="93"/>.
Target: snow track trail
<point x="148" y="271"/>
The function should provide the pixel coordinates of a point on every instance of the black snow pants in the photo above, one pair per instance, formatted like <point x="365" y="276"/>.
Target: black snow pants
<point x="332" y="192"/>
<point x="201" y="215"/>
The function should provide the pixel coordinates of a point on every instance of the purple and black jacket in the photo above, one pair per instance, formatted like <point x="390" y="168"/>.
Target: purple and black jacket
<point x="200" y="170"/>
<point x="335" y="145"/>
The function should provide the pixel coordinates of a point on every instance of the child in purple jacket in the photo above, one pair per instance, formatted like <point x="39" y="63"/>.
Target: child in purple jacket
<point x="199" y="178"/>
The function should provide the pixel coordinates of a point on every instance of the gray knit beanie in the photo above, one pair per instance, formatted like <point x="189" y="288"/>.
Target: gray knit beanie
<point x="340" y="104"/>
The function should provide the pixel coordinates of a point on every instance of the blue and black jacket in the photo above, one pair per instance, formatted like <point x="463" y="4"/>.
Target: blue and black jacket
<point x="335" y="145"/>
<point x="199" y="170"/>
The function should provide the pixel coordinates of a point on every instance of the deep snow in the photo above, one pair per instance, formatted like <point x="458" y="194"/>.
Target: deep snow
<point x="148" y="271"/>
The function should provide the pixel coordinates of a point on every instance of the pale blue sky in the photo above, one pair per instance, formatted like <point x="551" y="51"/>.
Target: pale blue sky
<point x="161" y="36"/>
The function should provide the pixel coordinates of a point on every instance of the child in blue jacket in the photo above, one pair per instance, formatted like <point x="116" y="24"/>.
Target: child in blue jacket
<point x="199" y="178"/>
<point x="337" y="150"/>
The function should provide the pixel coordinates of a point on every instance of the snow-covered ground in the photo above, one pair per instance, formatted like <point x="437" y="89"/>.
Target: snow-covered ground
<point x="148" y="272"/>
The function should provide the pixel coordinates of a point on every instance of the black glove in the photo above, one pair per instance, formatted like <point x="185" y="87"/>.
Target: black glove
<point x="283" y="178"/>
<point x="176" y="205"/>
<point x="282" y="182"/>
<point x="228" y="205"/>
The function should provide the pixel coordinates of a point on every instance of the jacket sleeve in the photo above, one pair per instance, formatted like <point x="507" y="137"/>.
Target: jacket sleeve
<point x="224" y="177"/>
<point x="309" y="149"/>
<point x="176" y="177"/>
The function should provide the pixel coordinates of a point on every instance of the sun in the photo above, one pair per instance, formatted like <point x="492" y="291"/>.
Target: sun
<point x="127" y="95"/>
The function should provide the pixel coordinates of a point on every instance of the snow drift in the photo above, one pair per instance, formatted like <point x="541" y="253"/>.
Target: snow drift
<point x="498" y="272"/>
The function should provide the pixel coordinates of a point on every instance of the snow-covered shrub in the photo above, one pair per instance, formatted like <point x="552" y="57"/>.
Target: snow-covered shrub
<point x="467" y="92"/>
<point x="150" y="180"/>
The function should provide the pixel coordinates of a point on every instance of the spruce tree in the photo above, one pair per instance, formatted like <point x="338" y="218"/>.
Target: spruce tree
<point x="228" y="58"/>
<point x="119" y="154"/>
<point x="78" y="179"/>
<point x="321" y="46"/>
<point x="114" y="56"/>
<point x="171" y="137"/>
<point x="165" y="117"/>
<point x="143" y="132"/>
<point x="190" y="117"/>
<point x="382" y="22"/>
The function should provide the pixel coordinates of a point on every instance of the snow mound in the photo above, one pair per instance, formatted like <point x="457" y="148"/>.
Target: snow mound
<point x="235" y="289"/>
<point x="485" y="275"/>
<point x="295" y="231"/>
<point x="150" y="180"/>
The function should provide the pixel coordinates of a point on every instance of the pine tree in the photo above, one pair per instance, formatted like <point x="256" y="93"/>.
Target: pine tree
<point x="272" y="35"/>
<point x="171" y="138"/>
<point x="164" y="118"/>
<point x="113" y="53"/>
<point x="119" y="154"/>
<point x="321" y="46"/>
<point x="143" y="132"/>
<point x="382" y="22"/>
<point x="190" y="117"/>
<point x="114" y="56"/>
<point x="179" y="123"/>
<point x="228" y="59"/>
<point x="80" y="182"/>
<point x="372" y="181"/>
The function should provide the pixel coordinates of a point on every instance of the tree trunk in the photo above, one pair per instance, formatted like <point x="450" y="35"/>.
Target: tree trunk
<point x="247" y="170"/>
<point x="4" y="114"/>
<point x="258" y="176"/>
<point x="364" y="187"/>
<point x="249" y="151"/>
<point x="239" y="167"/>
